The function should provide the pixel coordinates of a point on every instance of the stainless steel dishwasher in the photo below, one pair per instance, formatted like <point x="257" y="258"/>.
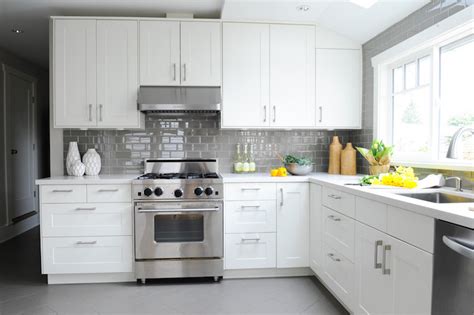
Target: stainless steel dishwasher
<point x="453" y="273"/>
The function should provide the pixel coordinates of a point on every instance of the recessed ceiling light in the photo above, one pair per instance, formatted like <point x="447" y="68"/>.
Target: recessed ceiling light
<point x="364" y="3"/>
<point x="303" y="8"/>
<point x="17" y="31"/>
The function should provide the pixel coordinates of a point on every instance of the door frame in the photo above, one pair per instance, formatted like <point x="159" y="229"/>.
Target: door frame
<point x="6" y="70"/>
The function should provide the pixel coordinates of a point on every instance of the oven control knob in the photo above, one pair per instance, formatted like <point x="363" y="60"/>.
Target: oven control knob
<point x="158" y="191"/>
<point x="148" y="192"/>
<point x="198" y="191"/>
<point x="178" y="193"/>
<point x="209" y="191"/>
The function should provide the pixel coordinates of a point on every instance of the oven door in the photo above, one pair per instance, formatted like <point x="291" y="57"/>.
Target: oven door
<point x="170" y="230"/>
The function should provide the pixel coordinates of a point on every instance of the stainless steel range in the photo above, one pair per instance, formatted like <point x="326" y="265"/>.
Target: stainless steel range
<point x="178" y="220"/>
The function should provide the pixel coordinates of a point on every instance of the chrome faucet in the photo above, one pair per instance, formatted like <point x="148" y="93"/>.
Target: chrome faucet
<point x="458" y="182"/>
<point x="453" y="151"/>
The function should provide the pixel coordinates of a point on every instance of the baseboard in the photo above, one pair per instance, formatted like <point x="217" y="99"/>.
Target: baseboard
<point x="10" y="231"/>
<point x="91" y="278"/>
<point x="267" y="273"/>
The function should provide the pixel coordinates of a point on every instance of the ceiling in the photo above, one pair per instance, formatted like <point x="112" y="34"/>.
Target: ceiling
<point x="341" y="16"/>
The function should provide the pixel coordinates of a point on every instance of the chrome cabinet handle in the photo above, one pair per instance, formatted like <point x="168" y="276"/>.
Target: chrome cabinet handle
<point x="100" y="112"/>
<point x="334" y="197"/>
<point x="90" y="112"/>
<point x="249" y="206"/>
<point x="265" y="113"/>
<point x="274" y="113"/>
<point x="174" y="71"/>
<point x="459" y="248"/>
<point x="62" y="190"/>
<point x="385" y="270"/>
<point x="282" y="194"/>
<point x="86" y="209"/>
<point x="250" y="188"/>
<point x="86" y="243"/>
<point x="377" y="265"/>
<point x="320" y="114"/>
<point x="184" y="72"/>
<point x="334" y="218"/>
<point x="333" y="257"/>
<point x="255" y="239"/>
<point x="108" y="190"/>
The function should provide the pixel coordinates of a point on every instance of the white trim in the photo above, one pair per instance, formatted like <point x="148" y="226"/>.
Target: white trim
<point x="91" y="278"/>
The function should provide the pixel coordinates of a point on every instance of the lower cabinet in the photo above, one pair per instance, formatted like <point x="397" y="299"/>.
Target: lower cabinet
<point x="315" y="228"/>
<point x="250" y="250"/>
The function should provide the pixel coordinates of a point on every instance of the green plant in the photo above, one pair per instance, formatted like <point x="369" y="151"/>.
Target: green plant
<point x="378" y="154"/>
<point x="290" y="159"/>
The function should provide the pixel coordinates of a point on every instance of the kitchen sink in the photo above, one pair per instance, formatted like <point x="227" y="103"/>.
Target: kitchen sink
<point x="438" y="197"/>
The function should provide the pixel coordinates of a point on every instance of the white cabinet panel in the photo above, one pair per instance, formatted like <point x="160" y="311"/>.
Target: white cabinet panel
<point x="86" y="219"/>
<point x="338" y="88"/>
<point x="201" y="53"/>
<point x="316" y="228"/>
<point x="372" y="213"/>
<point x="159" y="53"/>
<point x="339" y="232"/>
<point x="87" y="254"/>
<point x="63" y="193"/>
<point x="250" y="191"/>
<point x="74" y="73"/>
<point x="117" y="73"/>
<point x="293" y="225"/>
<point x="340" y="201"/>
<point x="292" y="75"/>
<point x="246" y="75"/>
<point x="250" y="216"/>
<point x="109" y="193"/>
<point x="250" y="251"/>
<point x="329" y="39"/>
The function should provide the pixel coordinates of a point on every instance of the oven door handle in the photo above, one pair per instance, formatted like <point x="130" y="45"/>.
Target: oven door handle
<point x="148" y="210"/>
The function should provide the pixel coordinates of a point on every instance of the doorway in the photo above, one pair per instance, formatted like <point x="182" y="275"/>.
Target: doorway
<point x="20" y="145"/>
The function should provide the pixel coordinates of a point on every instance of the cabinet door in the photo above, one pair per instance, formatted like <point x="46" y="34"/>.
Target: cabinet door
<point x="374" y="290"/>
<point x="292" y="75"/>
<point x="74" y="73"/>
<point x="159" y="53"/>
<point x="338" y="88"/>
<point x="293" y="225"/>
<point x="246" y="75"/>
<point x="315" y="228"/>
<point x="117" y="73"/>
<point x="411" y="273"/>
<point x="201" y="53"/>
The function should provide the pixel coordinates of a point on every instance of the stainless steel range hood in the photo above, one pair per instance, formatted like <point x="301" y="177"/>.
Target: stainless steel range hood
<point x="165" y="99"/>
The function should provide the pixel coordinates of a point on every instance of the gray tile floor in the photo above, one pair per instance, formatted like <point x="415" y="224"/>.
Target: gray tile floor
<point x="23" y="290"/>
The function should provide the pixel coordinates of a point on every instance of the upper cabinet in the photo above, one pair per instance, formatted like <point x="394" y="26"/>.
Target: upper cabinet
<point x="268" y="75"/>
<point x="177" y="53"/>
<point x="95" y="74"/>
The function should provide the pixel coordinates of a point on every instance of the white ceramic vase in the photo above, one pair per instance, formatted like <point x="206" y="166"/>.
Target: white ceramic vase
<point x="78" y="168"/>
<point x="72" y="156"/>
<point x="92" y="162"/>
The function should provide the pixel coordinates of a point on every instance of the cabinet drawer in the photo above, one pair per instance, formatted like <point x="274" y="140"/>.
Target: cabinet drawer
<point x="339" y="232"/>
<point x="63" y="193"/>
<point x="250" y="191"/>
<point x="339" y="201"/>
<point x="338" y="274"/>
<point x="372" y="213"/>
<point x="250" y="250"/>
<point x="86" y="219"/>
<point x="109" y="193"/>
<point x="87" y="254"/>
<point x="250" y="216"/>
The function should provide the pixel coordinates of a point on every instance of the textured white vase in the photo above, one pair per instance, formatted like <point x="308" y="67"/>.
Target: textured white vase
<point x="78" y="168"/>
<point x="92" y="162"/>
<point x="72" y="156"/>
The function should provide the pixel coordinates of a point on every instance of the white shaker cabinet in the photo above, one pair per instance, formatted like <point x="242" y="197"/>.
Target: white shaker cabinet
<point x="292" y="225"/>
<point x="292" y="76"/>
<point x="117" y="73"/>
<point x="338" y="88"/>
<point x="246" y="75"/>
<point x="159" y="53"/>
<point x="315" y="228"/>
<point x="74" y="73"/>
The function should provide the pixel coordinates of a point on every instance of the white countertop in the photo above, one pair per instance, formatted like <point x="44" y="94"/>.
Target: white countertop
<point x="458" y="213"/>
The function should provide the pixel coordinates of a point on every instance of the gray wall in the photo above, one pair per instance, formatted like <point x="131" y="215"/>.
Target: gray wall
<point x="195" y="136"/>
<point x="42" y="119"/>
<point x="416" y="22"/>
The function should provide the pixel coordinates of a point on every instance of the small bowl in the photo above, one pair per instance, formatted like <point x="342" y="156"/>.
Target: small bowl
<point x="297" y="169"/>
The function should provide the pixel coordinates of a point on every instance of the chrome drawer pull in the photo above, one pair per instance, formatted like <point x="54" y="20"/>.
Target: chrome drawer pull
<point x="85" y="209"/>
<point x="334" y="258"/>
<point x="250" y="188"/>
<point x="334" y="218"/>
<point x="335" y="197"/>
<point x="385" y="270"/>
<point x="244" y="206"/>
<point x="377" y="265"/>
<point x="108" y="190"/>
<point x="62" y="190"/>
<point x="86" y="243"/>
<point x="255" y="239"/>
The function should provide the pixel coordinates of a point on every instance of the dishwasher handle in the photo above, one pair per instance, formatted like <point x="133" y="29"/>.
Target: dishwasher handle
<point x="457" y="246"/>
